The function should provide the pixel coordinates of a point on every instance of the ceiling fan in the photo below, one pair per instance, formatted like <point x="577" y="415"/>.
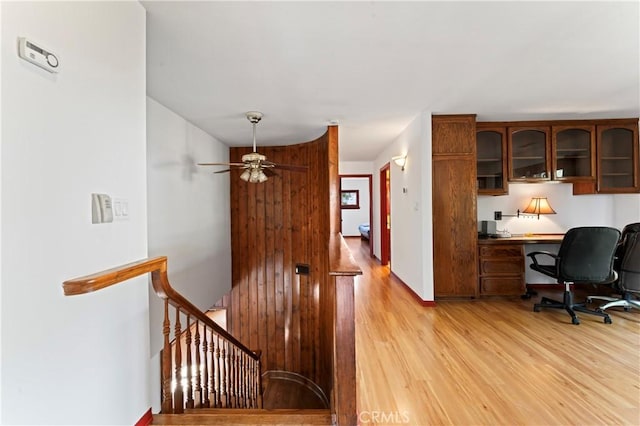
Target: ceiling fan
<point x="256" y="167"/>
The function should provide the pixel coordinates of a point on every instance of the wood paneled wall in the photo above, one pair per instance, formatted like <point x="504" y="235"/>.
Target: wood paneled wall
<point x="274" y="226"/>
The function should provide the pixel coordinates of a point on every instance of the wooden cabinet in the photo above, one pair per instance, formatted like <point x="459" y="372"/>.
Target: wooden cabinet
<point x="455" y="231"/>
<point x="491" y="160"/>
<point x="573" y="153"/>
<point x="501" y="268"/>
<point x="597" y="156"/>
<point x="529" y="153"/>
<point x="618" y="158"/>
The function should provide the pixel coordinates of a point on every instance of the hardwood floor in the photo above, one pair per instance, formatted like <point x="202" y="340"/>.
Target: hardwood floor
<point x="488" y="362"/>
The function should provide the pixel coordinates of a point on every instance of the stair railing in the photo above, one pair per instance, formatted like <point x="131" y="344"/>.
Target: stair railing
<point x="218" y="372"/>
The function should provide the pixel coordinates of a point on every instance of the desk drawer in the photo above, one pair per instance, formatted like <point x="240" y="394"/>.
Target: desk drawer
<point x="511" y="266"/>
<point x="502" y="250"/>
<point x="502" y="286"/>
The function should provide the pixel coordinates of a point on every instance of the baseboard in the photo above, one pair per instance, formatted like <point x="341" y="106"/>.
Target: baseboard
<point x="146" y="419"/>
<point x="425" y="303"/>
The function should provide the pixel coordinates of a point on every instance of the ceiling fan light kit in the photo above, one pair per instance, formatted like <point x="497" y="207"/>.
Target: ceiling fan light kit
<point x="256" y="167"/>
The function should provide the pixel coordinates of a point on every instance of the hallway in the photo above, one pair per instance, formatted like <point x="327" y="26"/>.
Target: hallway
<point x="489" y="361"/>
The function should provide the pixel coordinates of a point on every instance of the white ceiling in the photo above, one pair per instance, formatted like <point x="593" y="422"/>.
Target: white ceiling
<point x="374" y="66"/>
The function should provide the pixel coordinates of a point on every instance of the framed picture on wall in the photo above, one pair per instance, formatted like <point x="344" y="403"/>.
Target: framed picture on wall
<point x="350" y="199"/>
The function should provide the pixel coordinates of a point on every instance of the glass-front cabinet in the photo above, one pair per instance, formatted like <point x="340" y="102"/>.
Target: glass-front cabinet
<point x="491" y="160"/>
<point x="617" y="147"/>
<point x="529" y="158"/>
<point x="573" y="153"/>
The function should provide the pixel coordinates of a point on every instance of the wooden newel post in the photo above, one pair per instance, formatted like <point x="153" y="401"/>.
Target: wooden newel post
<point x="345" y="352"/>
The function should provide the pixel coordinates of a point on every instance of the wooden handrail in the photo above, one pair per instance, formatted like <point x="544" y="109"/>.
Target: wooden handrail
<point x="100" y="280"/>
<point x="341" y="261"/>
<point x="157" y="266"/>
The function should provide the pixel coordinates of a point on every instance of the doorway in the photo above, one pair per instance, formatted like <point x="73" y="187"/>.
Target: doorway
<point x="353" y="218"/>
<point x="385" y="214"/>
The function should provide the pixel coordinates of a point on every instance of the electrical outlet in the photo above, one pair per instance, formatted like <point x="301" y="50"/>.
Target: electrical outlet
<point x="497" y="215"/>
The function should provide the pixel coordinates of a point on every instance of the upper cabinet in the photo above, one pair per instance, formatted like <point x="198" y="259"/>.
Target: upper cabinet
<point x="529" y="153"/>
<point x="597" y="156"/>
<point x="573" y="149"/>
<point x="491" y="160"/>
<point x="618" y="158"/>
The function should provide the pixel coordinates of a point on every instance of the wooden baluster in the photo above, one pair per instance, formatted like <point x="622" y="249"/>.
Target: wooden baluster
<point x="232" y="390"/>
<point x="235" y="377"/>
<point x="259" y="378"/>
<point x="232" y="376"/>
<point x="245" y="380"/>
<point x="212" y="385"/>
<point x="218" y="375"/>
<point x="189" y="387"/>
<point x="178" y="394"/>
<point x="250" y="381"/>
<point x="240" y="381"/>
<point x="167" y="402"/>
<point x="198" y="388"/>
<point x="205" y="371"/>
<point x="254" y="384"/>
<point x="225" y="375"/>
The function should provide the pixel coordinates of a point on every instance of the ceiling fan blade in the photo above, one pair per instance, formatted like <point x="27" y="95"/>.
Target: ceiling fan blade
<point x="223" y="171"/>
<point x="269" y="173"/>
<point x="291" y="167"/>
<point x="220" y="164"/>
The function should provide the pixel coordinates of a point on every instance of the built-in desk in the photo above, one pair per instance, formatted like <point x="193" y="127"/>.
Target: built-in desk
<point x="501" y="270"/>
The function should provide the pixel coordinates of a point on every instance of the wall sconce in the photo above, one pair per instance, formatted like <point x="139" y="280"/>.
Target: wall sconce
<point x="536" y="207"/>
<point x="400" y="160"/>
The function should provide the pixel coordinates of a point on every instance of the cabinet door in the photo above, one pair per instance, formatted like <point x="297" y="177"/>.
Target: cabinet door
<point x="455" y="230"/>
<point x="617" y="158"/>
<point x="573" y="153"/>
<point x="529" y="154"/>
<point x="491" y="154"/>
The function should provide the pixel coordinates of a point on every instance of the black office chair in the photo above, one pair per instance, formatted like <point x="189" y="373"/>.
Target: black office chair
<point x="585" y="256"/>
<point x="627" y="265"/>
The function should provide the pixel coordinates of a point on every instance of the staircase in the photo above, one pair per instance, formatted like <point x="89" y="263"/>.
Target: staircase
<point x="231" y="416"/>
<point x="219" y="380"/>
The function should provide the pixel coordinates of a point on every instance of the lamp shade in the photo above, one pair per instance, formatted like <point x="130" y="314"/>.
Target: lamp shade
<point x="538" y="206"/>
<point x="400" y="160"/>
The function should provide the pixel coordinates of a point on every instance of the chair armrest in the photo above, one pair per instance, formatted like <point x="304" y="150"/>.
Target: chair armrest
<point x="533" y="255"/>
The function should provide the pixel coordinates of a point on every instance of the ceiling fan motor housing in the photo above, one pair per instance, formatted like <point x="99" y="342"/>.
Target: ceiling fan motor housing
<point x="254" y="116"/>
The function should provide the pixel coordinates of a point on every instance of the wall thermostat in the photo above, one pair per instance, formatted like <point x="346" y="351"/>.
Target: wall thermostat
<point x="38" y="55"/>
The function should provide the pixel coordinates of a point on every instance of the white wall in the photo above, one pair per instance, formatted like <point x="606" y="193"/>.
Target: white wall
<point x="80" y="359"/>
<point x="352" y="218"/>
<point x="571" y="210"/>
<point x="411" y="210"/>
<point x="189" y="211"/>
<point x="188" y="215"/>
<point x="356" y="168"/>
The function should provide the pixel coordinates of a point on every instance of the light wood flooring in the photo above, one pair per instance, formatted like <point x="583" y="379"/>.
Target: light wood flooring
<point x="488" y="362"/>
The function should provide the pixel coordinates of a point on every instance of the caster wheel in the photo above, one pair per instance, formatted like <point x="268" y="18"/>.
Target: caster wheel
<point x="525" y="296"/>
<point x="536" y="309"/>
<point x="588" y="300"/>
<point x="627" y="309"/>
<point x="599" y="310"/>
<point x="575" y="321"/>
<point x="607" y="320"/>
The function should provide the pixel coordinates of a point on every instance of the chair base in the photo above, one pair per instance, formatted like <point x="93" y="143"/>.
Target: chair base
<point x="627" y="302"/>
<point x="571" y="308"/>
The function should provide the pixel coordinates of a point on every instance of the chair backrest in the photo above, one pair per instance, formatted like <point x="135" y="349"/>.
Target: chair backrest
<point x="630" y="229"/>
<point x="629" y="279"/>
<point x="586" y="255"/>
